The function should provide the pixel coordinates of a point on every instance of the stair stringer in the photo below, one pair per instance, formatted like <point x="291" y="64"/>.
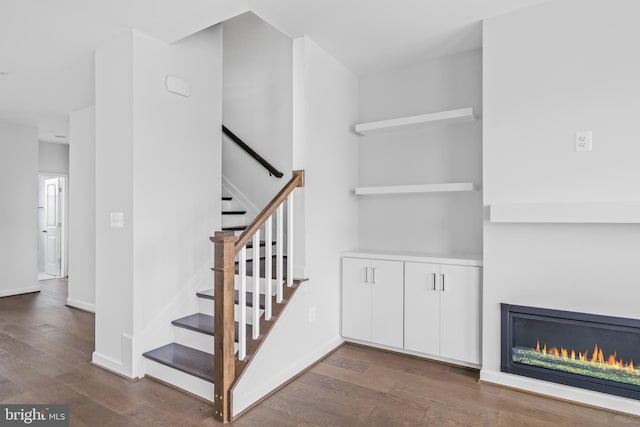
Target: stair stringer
<point x="272" y="365"/>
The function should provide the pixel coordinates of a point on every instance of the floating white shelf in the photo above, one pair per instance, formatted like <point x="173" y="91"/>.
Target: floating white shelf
<point x="422" y="188"/>
<point x="460" y="115"/>
<point x="586" y="212"/>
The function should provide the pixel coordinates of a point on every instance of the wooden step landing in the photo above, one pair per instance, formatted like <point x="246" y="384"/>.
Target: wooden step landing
<point x="208" y="294"/>
<point x="185" y="359"/>
<point x="203" y="323"/>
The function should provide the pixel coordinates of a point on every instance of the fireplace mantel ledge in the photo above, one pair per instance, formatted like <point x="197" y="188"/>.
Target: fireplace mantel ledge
<point x="567" y="212"/>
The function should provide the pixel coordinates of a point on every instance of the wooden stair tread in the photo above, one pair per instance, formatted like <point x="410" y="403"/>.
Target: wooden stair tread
<point x="208" y="294"/>
<point x="203" y="323"/>
<point x="234" y="212"/>
<point x="186" y="359"/>
<point x="226" y="198"/>
<point x="234" y="228"/>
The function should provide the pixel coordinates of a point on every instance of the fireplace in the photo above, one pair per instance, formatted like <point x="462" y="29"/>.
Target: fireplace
<point x="594" y="352"/>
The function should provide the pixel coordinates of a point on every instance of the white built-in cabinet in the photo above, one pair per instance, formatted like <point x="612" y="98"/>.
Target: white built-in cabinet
<point x="442" y="310"/>
<point x="428" y="305"/>
<point x="372" y="300"/>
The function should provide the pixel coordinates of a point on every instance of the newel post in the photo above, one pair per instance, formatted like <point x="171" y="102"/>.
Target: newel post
<point x="224" y="329"/>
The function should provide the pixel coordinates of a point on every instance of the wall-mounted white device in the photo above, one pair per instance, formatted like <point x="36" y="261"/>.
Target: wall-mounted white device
<point x="177" y="86"/>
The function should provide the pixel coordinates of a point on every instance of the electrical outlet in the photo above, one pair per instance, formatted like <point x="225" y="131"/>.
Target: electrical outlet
<point x="312" y="314"/>
<point x="584" y="141"/>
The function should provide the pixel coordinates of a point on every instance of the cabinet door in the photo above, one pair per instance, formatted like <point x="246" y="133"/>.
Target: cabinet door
<point x="422" y="307"/>
<point x="460" y="313"/>
<point x="356" y="299"/>
<point x="386" y="282"/>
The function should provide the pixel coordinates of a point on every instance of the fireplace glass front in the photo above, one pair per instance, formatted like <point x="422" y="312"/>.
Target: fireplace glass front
<point x="595" y="352"/>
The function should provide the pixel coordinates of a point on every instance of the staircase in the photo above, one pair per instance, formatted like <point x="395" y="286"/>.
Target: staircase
<point x="190" y="362"/>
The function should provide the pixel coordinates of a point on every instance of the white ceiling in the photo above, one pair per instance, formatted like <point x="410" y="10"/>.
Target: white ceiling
<point x="46" y="46"/>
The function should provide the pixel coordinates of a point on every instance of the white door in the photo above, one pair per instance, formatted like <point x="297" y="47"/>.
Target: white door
<point x="52" y="227"/>
<point x="460" y="313"/>
<point x="387" y="302"/>
<point x="422" y="307"/>
<point x="356" y="299"/>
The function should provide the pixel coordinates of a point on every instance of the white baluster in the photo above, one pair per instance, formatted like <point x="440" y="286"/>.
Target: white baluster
<point x="268" y="268"/>
<point x="280" y="249"/>
<point x="290" y="240"/>
<point x="242" y="302"/>
<point x="256" y="286"/>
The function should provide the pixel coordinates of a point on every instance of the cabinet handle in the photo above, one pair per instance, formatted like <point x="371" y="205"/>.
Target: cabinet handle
<point x="433" y="276"/>
<point x="366" y="275"/>
<point x="373" y="275"/>
<point x="442" y="278"/>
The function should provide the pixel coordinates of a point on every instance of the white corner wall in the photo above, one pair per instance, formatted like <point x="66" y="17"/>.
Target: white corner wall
<point x="19" y="213"/>
<point x="257" y="105"/>
<point x="158" y="162"/>
<point x="434" y="222"/>
<point x="549" y="71"/>
<point x="114" y="193"/>
<point x="176" y="181"/>
<point x="326" y="94"/>
<point x="82" y="209"/>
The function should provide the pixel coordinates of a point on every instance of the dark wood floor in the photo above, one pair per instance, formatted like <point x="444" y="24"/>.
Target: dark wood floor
<point x="45" y="349"/>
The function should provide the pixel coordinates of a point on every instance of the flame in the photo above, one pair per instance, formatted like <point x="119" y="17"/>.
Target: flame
<point x="597" y="357"/>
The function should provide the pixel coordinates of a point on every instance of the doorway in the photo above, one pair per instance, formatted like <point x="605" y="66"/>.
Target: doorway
<point x="52" y="226"/>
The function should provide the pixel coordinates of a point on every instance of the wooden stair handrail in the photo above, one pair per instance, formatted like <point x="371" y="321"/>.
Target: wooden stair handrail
<point x="268" y="166"/>
<point x="227" y="246"/>
<point x="297" y="180"/>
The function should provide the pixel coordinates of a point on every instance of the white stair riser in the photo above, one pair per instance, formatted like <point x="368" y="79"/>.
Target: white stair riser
<point x="205" y="306"/>
<point x="193" y="339"/>
<point x="227" y="205"/>
<point x="179" y="379"/>
<point x="234" y="220"/>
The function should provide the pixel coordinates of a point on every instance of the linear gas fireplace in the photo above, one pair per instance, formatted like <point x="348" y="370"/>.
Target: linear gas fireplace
<point x="595" y="352"/>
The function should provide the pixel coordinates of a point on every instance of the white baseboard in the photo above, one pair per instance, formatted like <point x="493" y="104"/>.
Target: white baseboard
<point x="413" y="353"/>
<point x="574" y="394"/>
<point x="291" y="371"/>
<point x="81" y="305"/>
<point x="20" y="291"/>
<point x="109" y="363"/>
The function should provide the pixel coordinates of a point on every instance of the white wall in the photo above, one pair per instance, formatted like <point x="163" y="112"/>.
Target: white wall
<point x="326" y="148"/>
<point x="435" y="222"/>
<point x="19" y="213"/>
<point x="82" y="209"/>
<point x="158" y="162"/>
<point x="53" y="158"/>
<point x="257" y="105"/>
<point x="114" y="193"/>
<point x="177" y="180"/>
<point x="549" y="71"/>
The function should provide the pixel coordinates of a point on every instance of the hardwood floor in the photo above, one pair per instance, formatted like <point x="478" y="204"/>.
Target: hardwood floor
<point x="45" y="349"/>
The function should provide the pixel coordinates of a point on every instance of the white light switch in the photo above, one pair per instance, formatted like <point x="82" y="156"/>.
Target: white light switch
<point x="116" y="219"/>
<point x="584" y="141"/>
